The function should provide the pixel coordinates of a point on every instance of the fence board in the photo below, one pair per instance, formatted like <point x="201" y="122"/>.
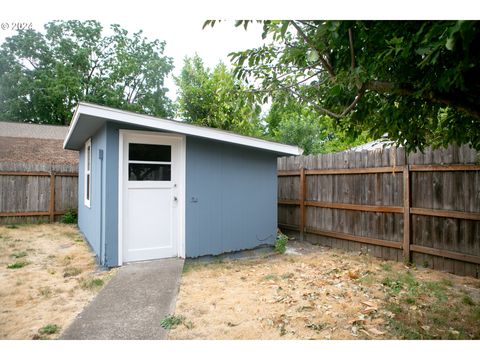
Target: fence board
<point x="354" y="197"/>
<point x="25" y="191"/>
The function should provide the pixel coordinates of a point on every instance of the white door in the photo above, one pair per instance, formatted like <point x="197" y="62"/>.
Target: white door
<point x="151" y="179"/>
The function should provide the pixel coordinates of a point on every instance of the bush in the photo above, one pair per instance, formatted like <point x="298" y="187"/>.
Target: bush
<point x="281" y="243"/>
<point x="70" y="216"/>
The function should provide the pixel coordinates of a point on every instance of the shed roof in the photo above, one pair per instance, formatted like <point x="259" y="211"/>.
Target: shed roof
<point x="88" y="118"/>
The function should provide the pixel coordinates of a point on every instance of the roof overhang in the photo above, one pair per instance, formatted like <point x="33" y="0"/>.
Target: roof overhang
<point x="89" y="118"/>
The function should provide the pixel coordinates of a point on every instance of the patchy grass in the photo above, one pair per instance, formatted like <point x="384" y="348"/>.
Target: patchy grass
<point x="49" y="329"/>
<point x="38" y="295"/>
<point x="19" y="254"/>
<point x="172" y="321"/>
<point x="92" y="284"/>
<point x="17" y="265"/>
<point x="71" y="271"/>
<point x="325" y="294"/>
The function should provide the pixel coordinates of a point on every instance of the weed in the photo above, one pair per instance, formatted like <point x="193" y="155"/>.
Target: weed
<point x="45" y="291"/>
<point x="70" y="216"/>
<point x="18" y="254"/>
<point x="67" y="260"/>
<point x="368" y="279"/>
<point x="17" y="265"/>
<point x="12" y="226"/>
<point x="287" y="276"/>
<point x="91" y="284"/>
<point x="316" y="327"/>
<point x="172" y="321"/>
<point x="394" y="285"/>
<point x="386" y="266"/>
<point x="71" y="271"/>
<point x="281" y="243"/>
<point x="467" y="300"/>
<point x="446" y="282"/>
<point x="49" y="329"/>
<point x="437" y="288"/>
<point x="410" y="300"/>
<point x="270" y="277"/>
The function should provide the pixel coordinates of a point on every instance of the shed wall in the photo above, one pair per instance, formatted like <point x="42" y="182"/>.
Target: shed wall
<point x="89" y="219"/>
<point x="231" y="192"/>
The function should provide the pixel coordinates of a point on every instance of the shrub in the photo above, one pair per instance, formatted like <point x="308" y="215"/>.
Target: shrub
<point x="281" y="243"/>
<point x="70" y="216"/>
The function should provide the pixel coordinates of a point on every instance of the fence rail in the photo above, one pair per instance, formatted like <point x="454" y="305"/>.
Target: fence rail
<point x="424" y="207"/>
<point x="32" y="192"/>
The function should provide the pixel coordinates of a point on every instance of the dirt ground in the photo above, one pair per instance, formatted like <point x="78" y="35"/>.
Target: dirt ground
<point x="47" y="276"/>
<point x="313" y="292"/>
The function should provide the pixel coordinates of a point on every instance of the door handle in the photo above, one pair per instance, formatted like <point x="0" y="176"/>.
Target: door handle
<point x="175" y="198"/>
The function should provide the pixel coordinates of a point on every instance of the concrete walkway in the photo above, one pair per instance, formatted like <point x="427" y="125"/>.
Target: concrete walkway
<point x="132" y="305"/>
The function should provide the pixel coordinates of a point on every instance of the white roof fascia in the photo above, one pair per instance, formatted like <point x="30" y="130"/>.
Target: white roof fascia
<point x="176" y="126"/>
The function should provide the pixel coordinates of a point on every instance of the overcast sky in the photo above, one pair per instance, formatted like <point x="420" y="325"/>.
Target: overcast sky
<point x="179" y="22"/>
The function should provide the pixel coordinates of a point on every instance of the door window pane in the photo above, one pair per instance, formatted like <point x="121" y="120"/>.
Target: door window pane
<point x="149" y="172"/>
<point x="148" y="152"/>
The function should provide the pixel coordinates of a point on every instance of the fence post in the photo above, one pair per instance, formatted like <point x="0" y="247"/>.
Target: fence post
<point x="406" y="214"/>
<point x="302" y="203"/>
<point x="52" y="197"/>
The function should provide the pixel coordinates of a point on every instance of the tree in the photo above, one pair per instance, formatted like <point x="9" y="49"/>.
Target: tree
<point x="43" y="76"/>
<point x="418" y="81"/>
<point x="291" y="122"/>
<point x="215" y="99"/>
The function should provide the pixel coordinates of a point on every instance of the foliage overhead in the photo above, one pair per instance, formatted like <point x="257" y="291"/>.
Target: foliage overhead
<point x="418" y="81"/>
<point x="215" y="99"/>
<point x="291" y="122"/>
<point x="43" y="76"/>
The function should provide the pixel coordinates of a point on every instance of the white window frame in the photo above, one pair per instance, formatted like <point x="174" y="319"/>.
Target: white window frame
<point x="87" y="178"/>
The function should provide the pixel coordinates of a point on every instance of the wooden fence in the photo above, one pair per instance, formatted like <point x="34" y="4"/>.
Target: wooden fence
<point x="422" y="208"/>
<point x="36" y="192"/>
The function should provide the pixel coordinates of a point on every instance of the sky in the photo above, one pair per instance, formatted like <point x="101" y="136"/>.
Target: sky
<point x="179" y="22"/>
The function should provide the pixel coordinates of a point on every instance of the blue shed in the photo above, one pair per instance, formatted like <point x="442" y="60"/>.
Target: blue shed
<point x="151" y="188"/>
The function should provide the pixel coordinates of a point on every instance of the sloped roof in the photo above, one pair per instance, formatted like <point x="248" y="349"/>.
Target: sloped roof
<point x="381" y="143"/>
<point x="34" y="143"/>
<point x="89" y="118"/>
<point x="35" y="131"/>
<point x="38" y="151"/>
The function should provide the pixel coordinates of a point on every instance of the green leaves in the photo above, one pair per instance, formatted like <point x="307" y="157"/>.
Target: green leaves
<point x="407" y="72"/>
<point x="43" y="76"/>
<point x="216" y="99"/>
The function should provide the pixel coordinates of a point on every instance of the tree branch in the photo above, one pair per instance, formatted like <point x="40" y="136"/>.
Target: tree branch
<point x="313" y="46"/>
<point x="404" y="90"/>
<point x="352" y="51"/>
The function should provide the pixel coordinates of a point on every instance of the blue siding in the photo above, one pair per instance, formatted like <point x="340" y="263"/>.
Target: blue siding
<point x="231" y="195"/>
<point x="89" y="218"/>
<point x="230" y="199"/>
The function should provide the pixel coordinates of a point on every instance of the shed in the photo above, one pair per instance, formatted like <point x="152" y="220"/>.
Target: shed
<point x="152" y="188"/>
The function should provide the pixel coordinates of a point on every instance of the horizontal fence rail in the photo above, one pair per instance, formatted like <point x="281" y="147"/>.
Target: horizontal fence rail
<point x="379" y="199"/>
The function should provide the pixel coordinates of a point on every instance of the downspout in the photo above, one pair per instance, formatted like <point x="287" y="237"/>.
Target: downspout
<point x="102" y="253"/>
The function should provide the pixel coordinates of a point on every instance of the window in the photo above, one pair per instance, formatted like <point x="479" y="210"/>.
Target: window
<point x="88" y="173"/>
<point x="148" y="162"/>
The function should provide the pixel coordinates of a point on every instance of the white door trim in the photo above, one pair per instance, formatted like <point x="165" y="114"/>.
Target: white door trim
<point x="181" y="190"/>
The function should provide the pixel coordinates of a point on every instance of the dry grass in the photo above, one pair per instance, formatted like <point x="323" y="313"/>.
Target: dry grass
<point x="324" y="294"/>
<point x="43" y="297"/>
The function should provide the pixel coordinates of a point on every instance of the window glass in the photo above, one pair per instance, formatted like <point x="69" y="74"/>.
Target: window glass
<point x="89" y="158"/>
<point x="148" y="152"/>
<point x="149" y="172"/>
